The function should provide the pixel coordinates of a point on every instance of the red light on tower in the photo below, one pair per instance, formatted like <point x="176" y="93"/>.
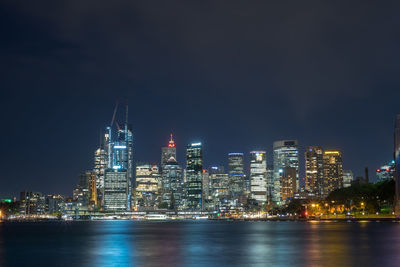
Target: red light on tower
<point x="171" y="142"/>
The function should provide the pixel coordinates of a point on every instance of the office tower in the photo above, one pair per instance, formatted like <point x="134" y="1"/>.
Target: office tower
<point x="32" y="203"/>
<point x="288" y="183"/>
<point x="147" y="186"/>
<point x="285" y="155"/>
<point x="314" y="169"/>
<point x="194" y="168"/>
<point x="205" y="187"/>
<point x="168" y="152"/>
<point x="100" y="165"/>
<point x="333" y="171"/>
<point x="83" y="189"/>
<point x="397" y="162"/>
<point x="347" y="178"/>
<point x="116" y="190"/>
<point x="236" y="174"/>
<point x="172" y="184"/>
<point x="270" y="183"/>
<point x="258" y="176"/>
<point x="219" y="191"/>
<point x="386" y="172"/>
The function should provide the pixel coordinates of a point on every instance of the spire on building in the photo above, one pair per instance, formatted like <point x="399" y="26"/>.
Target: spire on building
<point x="171" y="142"/>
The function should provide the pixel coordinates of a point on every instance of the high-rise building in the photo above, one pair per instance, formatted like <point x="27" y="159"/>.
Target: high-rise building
<point x="84" y="190"/>
<point x="258" y="176"/>
<point x="397" y="162"/>
<point x="100" y="166"/>
<point x="348" y="178"/>
<point x="172" y="184"/>
<point x="288" y="183"/>
<point x="116" y="190"/>
<point x="386" y="172"/>
<point x="168" y="152"/>
<point x="147" y="186"/>
<point x="314" y="169"/>
<point x="270" y="183"/>
<point x="285" y="155"/>
<point x="55" y="204"/>
<point x="219" y="188"/>
<point x="236" y="174"/>
<point x="333" y="171"/>
<point x="194" y="169"/>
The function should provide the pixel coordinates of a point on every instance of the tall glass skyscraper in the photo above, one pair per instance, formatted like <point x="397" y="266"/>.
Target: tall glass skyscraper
<point x="116" y="191"/>
<point x="236" y="174"/>
<point x="194" y="168"/>
<point x="285" y="155"/>
<point x="172" y="184"/>
<point x="258" y="176"/>
<point x="147" y="186"/>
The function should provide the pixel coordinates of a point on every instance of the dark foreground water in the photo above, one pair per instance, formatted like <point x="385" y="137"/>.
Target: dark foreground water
<point x="207" y="243"/>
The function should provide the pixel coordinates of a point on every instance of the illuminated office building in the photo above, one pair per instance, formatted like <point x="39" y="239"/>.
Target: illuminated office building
<point x="32" y="203"/>
<point x="347" y="178"/>
<point x="288" y="183"/>
<point x="172" y="184"/>
<point x="168" y="152"/>
<point x="333" y="171"/>
<point x="314" y="170"/>
<point x="194" y="168"/>
<point x="236" y="174"/>
<point x="270" y="183"/>
<point x="285" y="155"/>
<point x="258" y="176"/>
<point x="219" y="191"/>
<point x="116" y="190"/>
<point x="386" y="172"/>
<point x="147" y="186"/>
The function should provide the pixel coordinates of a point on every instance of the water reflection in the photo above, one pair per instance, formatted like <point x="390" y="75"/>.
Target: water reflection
<point x="186" y="243"/>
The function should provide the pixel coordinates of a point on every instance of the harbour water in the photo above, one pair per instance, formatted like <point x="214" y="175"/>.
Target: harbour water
<point x="199" y="243"/>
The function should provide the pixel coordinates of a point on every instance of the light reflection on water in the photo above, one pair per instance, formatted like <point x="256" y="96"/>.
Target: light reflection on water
<point x="194" y="243"/>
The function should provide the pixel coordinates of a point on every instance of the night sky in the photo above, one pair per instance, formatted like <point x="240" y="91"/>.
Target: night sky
<point x="236" y="75"/>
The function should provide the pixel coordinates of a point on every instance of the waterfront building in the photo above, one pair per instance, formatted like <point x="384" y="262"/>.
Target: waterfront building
<point x="32" y="203"/>
<point x="314" y="169"/>
<point x="194" y="169"/>
<point x="116" y="190"/>
<point x="55" y="204"/>
<point x="82" y="192"/>
<point x="333" y="171"/>
<point x="100" y="165"/>
<point x="258" y="176"/>
<point x="237" y="186"/>
<point x="168" y="152"/>
<point x="288" y="183"/>
<point x="386" y="172"/>
<point x="147" y="186"/>
<point x="348" y="178"/>
<point x="205" y="189"/>
<point x="172" y="184"/>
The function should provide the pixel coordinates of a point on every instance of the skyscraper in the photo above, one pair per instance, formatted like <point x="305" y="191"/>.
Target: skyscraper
<point x="397" y="162"/>
<point x="194" y="168"/>
<point x="314" y="169"/>
<point x="219" y="188"/>
<point x="168" y="152"/>
<point x="236" y="175"/>
<point x="258" y="176"/>
<point x="147" y="186"/>
<point x="288" y="183"/>
<point x="172" y="184"/>
<point x="100" y="165"/>
<point x="116" y="190"/>
<point x="285" y="155"/>
<point x="333" y="171"/>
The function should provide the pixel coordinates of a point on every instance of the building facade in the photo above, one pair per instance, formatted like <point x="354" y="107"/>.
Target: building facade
<point x="348" y="178"/>
<point x="314" y="169"/>
<point x="333" y="171"/>
<point x="116" y="190"/>
<point x="194" y="169"/>
<point x="172" y="184"/>
<point x="258" y="176"/>
<point x="237" y="185"/>
<point x="147" y="186"/>
<point x="285" y="155"/>
<point x="168" y="152"/>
